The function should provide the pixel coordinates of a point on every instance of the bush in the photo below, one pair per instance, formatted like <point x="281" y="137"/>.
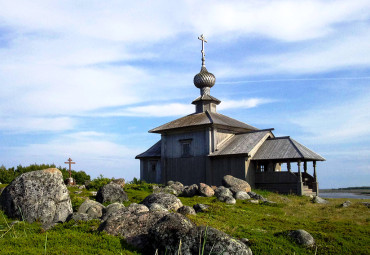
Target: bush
<point x="98" y="182"/>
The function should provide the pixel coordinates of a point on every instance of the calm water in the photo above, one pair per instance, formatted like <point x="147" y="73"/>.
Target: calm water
<point x="343" y="195"/>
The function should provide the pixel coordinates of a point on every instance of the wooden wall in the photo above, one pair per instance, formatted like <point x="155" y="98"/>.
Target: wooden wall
<point x="220" y="167"/>
<point x="146" y="172"/>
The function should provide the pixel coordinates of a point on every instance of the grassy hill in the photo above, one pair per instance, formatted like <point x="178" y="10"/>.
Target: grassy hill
<point x="336" y="230"/>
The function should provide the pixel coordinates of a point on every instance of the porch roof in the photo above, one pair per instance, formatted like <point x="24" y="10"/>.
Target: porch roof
<point x="152" y="152"/>
<point x="285" y="148"/>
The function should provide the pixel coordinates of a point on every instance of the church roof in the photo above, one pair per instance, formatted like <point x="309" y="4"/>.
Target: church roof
<point x="285" y="148"/>
<point x="241" y="143"/>
<point x="152" y="152"/>
<point x="201" y="119"/>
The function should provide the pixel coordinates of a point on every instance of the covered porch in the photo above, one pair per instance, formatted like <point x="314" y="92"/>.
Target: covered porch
<point x="269" y="174"/>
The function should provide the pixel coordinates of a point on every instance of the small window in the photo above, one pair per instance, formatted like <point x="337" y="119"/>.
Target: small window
<point x="262" y="168"/>
<point x="185" y="148"/>
<point x="153" y="165"/>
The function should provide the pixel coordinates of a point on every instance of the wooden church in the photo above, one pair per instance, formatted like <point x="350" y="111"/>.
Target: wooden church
<point x="206" y="145"/>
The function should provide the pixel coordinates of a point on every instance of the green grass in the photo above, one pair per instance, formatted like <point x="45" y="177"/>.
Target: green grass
<point x="336" y="230"/>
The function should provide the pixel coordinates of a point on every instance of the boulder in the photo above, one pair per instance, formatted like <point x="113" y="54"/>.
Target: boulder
<point x="166" y="189"/>
<point x="367" y="204"/>
<point x="302" y="237"/>
<point x="92" y="208"/>
<point x="157" y="207"/>
<point x="110" y="209"/>
<point x="205" y="190"/>
<point x="219" y="242"/>
<point x="319" y="200"/>
<point x="253" y="201"/>
<point x="235" y="184"/>
<point x="230" y="201"/>
<point x="169" y="230"/>
<point x="178" y="187"/>
<point x="223" y="193"/>
<point x="111" y="192"/>
<point x="76" y="216"/>
<point x="256" y="196"/>
<point x="242" y="195"/>
<point x="137" y="208"/>
<point x="38" y="195"/>
<point x="190" y="191"/>
<point x="185" y="210"/>
<point x="346" y="204"/>
<point x="169" y="183"/>
<point x="201" y="208"/>
<point x="168" y="201"/>
<point x="132" y="223"/>
<point x="120" y="182"/>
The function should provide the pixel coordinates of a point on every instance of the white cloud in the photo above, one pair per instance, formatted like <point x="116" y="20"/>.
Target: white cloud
<point x="20" y="125"/>
<point x="336" y="124"/>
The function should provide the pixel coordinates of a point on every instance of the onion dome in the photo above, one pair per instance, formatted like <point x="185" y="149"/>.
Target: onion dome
<point x="204" y="79"/>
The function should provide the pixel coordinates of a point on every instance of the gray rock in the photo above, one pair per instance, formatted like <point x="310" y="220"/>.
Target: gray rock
<point x="205" y="190"/>
<point x="178" y="187"/>
<point x="201" y="208"/>
<point x="82" y="187"/>
<point x="169" y="230"/>
<point x="230" y="201"/>
<point x="219" y="242"/>
<point x="169" y="183"/>
<point x="367" y="204"/>
<point x="38" y="195"/>
<point x="166" y="189"/>
<point x="254" y="201"/>
<point x="76" y="216"/>
<point x="185" y="210"/>
<point x="119" y="181"/>
<point x="223" y="193"/>
<point x="190" y="191"/>
<point x="133" y="224"/>
<point x="137" y="208"/>
<point x="235" y="184"/>
<point x="256" y="196"/>
<point x="92" y="208"/>
<point x="302" y="237"/>
<point x="111" y="192"/>
<point x="319" y="200"/>
<point x="110" y="209"/>
<point x="242" y="195"/>
<point x="157" y="207"/>
<point x="346" y="204"/>
<point x="168" y="201"/>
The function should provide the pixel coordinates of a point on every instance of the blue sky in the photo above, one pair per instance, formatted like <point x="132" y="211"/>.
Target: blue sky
<point x="88" y="79"/>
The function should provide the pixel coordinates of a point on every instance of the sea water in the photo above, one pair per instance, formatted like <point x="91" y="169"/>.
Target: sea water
<point x="343" y="195"/>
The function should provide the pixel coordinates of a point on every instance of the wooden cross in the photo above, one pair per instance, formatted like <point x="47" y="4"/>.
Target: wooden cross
<point x="70" y="163"/>
<point x="201" y="37"/>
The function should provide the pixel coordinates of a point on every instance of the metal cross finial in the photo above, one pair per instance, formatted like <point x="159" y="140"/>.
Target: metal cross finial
<point x="201" y="37"/>
<point x="70" y="162"/>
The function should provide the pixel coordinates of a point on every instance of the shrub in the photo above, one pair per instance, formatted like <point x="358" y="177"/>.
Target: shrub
<point x="98" y="182"/>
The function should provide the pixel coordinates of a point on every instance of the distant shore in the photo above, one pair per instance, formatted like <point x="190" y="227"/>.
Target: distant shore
<point x="360" y="191"/>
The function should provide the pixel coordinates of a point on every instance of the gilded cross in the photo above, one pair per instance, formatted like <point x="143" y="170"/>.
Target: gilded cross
<point x="201" y="37"/>
<point x="70" y="163"/>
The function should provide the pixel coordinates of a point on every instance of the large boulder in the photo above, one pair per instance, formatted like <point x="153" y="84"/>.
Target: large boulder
<point x="167" y="233"/>
<point x="169" y="230"/>
<point x="133" y="223"/>
<point x="92" y="208"/>
<point x="205" y="190"/>
<point x="111" y="192"/>
<point x="302" y="237"/>
<point x="186" y="210"/>
<point x="242" y="195"/>
<point x="256" y="196"/>
<point x="190" y="191"/>
<point x="110" y="209"/>
<point x="168" y="201"/>
<point x="223" y="193"/>
<point x="37" y="196"/>
<point x="219" y="242"/>
<point x="235" y="184"/>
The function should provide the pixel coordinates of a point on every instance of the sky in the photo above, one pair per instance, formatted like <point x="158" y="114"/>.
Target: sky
<point x="88" y="79"/>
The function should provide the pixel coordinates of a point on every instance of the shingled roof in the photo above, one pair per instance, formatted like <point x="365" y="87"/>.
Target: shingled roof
<point x="152" y="152"/>
<point x="241" y="143"/>
<point x="285" y="148"/>
<point x="201" y="119"/>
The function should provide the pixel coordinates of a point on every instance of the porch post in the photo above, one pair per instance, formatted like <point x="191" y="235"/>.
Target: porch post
<point x="305" y="167"/>
<point x="300" y="183"/>
<point x="288" y="166"/>
<point x="315" y="183"/>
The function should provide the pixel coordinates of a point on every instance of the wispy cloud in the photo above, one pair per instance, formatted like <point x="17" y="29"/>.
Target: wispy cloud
<point x="26" y="125"/>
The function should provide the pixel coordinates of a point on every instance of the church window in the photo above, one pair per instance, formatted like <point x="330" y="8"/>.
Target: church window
<point x="185" y="148"/>
<point x="262" y="168"/>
